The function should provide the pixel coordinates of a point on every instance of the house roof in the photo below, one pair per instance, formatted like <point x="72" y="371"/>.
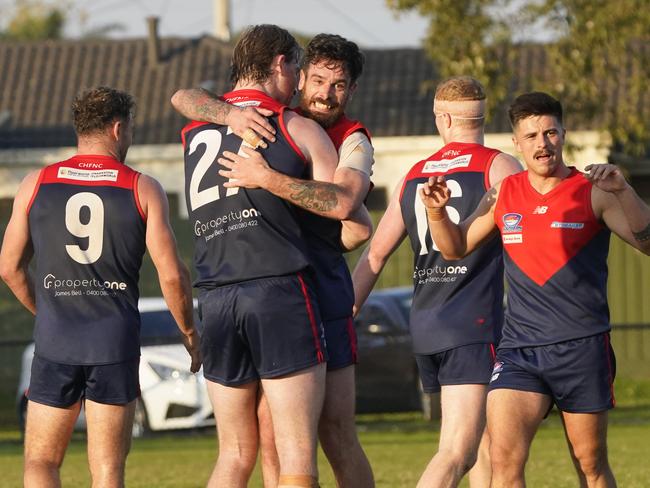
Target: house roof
<point x="38" y="81"/>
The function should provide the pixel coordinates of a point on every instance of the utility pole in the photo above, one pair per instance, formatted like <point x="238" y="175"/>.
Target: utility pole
<point x="221" y="17"/>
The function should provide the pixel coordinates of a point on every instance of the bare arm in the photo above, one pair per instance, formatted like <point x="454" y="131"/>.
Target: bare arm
<point x="622" y="210"/>
<point x="202" y="105"/>
<point x="502" y="166"/>
<point x="328" y="194"/>
<point x="17" y="248"/>
<point x="172" y="273"/>
<point x="391" y="231"/>
<point x="456" y="241"/>
<point x="357" y="229"/>
<point x="356" y="158"/>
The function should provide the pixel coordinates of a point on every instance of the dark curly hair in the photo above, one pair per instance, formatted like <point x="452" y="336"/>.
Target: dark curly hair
<point x="255" y="50"/>
<point x="96" y="109"/>
<point x="534" y="103"/>
<point x="335" y="49"/>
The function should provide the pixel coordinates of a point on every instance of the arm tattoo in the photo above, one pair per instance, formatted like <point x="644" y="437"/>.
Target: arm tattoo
<point x="313" y="195"/>
<point x="643" y="235"/>
<point x="210" y="108"/>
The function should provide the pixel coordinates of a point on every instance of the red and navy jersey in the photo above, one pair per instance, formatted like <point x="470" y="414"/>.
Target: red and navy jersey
<point x="455" y="303"/>
<point x="241" y="234"/>
<point x="555" y="253"/>
<point x="343" y="127"/>
<point x="333" y="282"/>
<point x="88" y="232"/>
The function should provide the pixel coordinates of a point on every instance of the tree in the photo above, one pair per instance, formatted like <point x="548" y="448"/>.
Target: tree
<point x="602" y="64"/>
<point x="598" y="54"/>
<point x="34" y="20"/>
<point x="464" y="38"/>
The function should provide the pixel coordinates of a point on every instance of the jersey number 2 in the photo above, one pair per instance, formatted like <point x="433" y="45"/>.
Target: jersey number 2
<point x="212" y="140"/>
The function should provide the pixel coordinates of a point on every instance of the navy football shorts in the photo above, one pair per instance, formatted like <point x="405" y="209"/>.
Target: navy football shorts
<point x="577" y="374"/>
<point x="464" y="365"/>
<point x="62" y="385"/>
<point x="341" y="340"/>
<point x="260" y="329"/>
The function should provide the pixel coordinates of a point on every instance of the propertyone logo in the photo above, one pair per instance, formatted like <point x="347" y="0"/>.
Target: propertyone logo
<point x="79" y="286"/>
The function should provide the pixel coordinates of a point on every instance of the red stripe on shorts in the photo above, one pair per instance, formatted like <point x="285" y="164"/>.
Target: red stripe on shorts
<point x="312" y="320"/>
<point x="353" y="339"/>
<point x="609" y="367"/>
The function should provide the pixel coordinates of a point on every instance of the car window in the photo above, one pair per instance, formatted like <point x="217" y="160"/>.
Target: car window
<point x="373" y="314"/>
<point x="159" y="327"/>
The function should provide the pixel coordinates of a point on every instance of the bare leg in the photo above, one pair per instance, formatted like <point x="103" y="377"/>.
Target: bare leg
<point x="463" y="422"/>
<point x="480" y="476"/>
<point x="513" y="418"/>
<point x="109" y="440"/>
<point x="296" y="401"/>
<point x="587" y="437"/>
<point x="338" y="432"/>
<point x="47" y="434"/>
<point x="268" y="452"/>
<point x="235" y="413"/>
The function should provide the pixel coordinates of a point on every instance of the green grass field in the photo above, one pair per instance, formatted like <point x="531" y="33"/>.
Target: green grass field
<point x="398" y="445"/>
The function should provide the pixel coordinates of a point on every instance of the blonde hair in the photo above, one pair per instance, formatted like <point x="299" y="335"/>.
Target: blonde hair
<point x="460" y="88"/>
<point x="463" y="97"/>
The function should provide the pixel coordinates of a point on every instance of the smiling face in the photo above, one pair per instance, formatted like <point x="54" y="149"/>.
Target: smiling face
<point x="540" y="138"/>
<point x="325" y="91"/>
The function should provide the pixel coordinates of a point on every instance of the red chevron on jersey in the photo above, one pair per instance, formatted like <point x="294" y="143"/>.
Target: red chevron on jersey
<point x="542" y="233"/>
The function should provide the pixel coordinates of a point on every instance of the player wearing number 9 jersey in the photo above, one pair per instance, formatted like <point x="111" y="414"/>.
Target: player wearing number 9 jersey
<point x="457" y="312"/>
<point x="87" y="222"/>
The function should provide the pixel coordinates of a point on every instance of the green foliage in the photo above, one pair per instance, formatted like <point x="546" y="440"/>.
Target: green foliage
<point x="598" y="57"/>
<point x="601" y="50"/>
<point x="465" y="38"/>
<point x="34" y="21"/>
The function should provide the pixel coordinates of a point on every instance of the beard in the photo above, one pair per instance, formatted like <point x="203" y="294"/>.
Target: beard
<point x="325" y="120"/>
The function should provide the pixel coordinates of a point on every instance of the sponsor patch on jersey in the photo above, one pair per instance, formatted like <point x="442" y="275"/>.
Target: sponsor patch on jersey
<point x="444" y="165"/>
<point x="540" y="210"/>
<point x="513" y="238"/>
<point x="511" y="222"/>
<point x="87" y="174"/>
<point x="567" y="225"/>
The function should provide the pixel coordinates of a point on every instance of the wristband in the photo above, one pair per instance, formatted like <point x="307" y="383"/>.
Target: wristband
<point x="436" y="216"/>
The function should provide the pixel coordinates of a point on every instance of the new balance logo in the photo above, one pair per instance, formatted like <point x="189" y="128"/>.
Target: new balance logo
<point x="540" y="210"/>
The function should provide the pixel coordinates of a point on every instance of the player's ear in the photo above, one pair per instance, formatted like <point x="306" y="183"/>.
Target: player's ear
<point x="515" y="143"/>
<point x="117" y="129"/>
<point x="353" y="88"/>
<point x="277" y="64"/>
<point x="303" y="78"/>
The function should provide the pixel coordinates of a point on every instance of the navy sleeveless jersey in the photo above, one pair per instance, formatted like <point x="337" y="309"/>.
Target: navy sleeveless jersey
<point x="323" y="235"/>
<point x="555" y="253"/>
<point x="241" y="234"/>
<point x="88" y="232"/>
<point x="455" y="303"/>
